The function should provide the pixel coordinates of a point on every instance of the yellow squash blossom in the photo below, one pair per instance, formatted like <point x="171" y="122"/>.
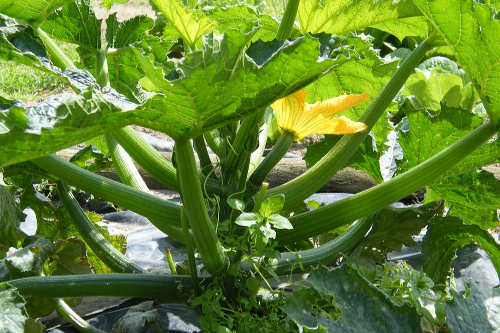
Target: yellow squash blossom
<point x="301" y="119"/>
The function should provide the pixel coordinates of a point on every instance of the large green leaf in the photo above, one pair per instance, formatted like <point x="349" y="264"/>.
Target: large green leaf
<point x="32" y="12"/>
<point x="357" y="299"/>
<point x="424" y="135"/>
<point x="59" y="122"/>
<point x="191" y="26"/>
<point x="223" y="83"/>
<point x="405" y="27"/>
<point x="208" y="95"/>
<point x="244" y="17"/>
<point x="121" y="34"/>
<point x="12" y="312"/>
<point x="479" y="311"/>
<point x="75" y="23"/>
<point x="474" y="197"/>
<point x="339" y="17"/>
<point x="10" y="218"/>
<point x="471" y="30"/>
<point x="444" y="237"/>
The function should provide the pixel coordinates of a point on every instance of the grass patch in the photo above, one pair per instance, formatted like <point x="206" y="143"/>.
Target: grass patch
<point x="27" y="84"/>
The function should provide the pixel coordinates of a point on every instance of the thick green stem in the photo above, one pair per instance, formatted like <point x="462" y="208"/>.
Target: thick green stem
<point x="140" y="202"/>
<point x="171" y="288"/>
<point x="155" y="163"/>
<point x="58" y="57"/>
<point x="147" y="157"/>
<point x="124" y="165"/>
<point x="369" y="201"/>
<point x="65" y="311"/>
<point x="113" y="258"/>
<point x="201" y="150"/>
<point x="214" y="142"/>
<point x="275" y="155"/>
<point x="313" y="179"/>
<point x="288" y="20"/>
<point x="246" y="130"/>
<point x="324" y="254"/>
<point x="190" y="252"/>
<point x="203" y="230"/>
<point x="102" y="75"/>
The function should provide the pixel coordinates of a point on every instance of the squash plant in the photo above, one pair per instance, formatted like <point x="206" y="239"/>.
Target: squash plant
<point x="423" y="113"/>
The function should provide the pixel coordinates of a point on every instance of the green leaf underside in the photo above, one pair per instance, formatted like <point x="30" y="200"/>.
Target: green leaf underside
<point x="339" y="17"/>
<point x="190" y="26"/>
<point x="12" y="312"/>
<point x="444" y="237"/>
<point x="364" y="307"/>
<point x="405" y="27"/>
<point x="75" y="23"/>
<point x="204" y="99"/>
<point x="32" y="12"/>
<point x="470" y="30"/>
<point x="244" y="17"/>
<point x="223" y="84"/>
<point x="478" y="312"/>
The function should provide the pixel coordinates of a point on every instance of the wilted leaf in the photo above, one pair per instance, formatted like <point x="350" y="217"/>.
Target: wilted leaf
<point x="444" y="237"/>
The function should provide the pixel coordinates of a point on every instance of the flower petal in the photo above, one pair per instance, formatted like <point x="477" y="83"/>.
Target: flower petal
<point x="341" y="125"/>
<point x="289" y="109"/>
<point x="338" y="104"/>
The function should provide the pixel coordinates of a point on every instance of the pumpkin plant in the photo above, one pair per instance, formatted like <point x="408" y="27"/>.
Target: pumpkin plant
<point x="418" y="84"/>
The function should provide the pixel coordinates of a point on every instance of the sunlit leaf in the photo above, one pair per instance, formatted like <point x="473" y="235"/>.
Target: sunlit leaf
<point x="191" y="26"/>
<point x="339" y="17"/>
<point x="32" y="12"/>
<point x="470" y="29"/>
